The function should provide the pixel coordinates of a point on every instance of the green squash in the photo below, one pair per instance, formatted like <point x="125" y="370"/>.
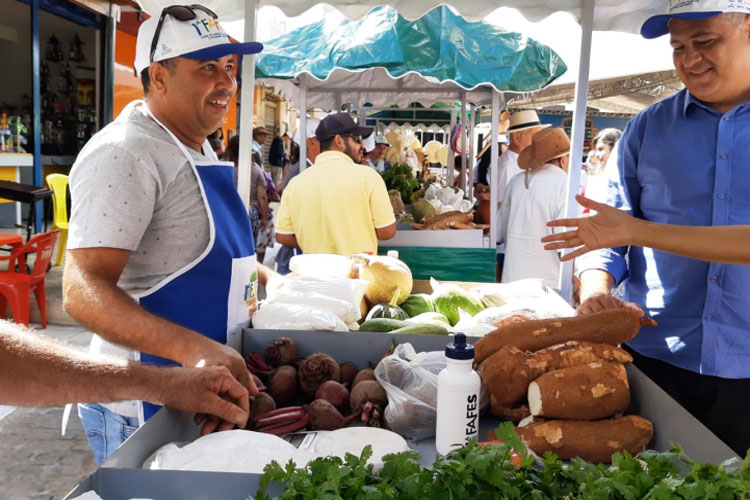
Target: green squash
<point x="449" y="298"/>
<point x="416" y="304"/>
<point x="387" y="311"/>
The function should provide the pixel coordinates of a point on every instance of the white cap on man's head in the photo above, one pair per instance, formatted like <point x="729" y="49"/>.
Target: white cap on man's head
<point x="657" y="26"/>
<point x="200" y="38"/>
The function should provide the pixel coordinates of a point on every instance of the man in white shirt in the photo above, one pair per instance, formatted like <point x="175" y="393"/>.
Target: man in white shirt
<point x="523" y="125"/>
<point x="530" y="200"/>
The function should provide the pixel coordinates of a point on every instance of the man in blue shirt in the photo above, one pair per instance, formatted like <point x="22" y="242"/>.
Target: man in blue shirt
<point x="686" y="160"/>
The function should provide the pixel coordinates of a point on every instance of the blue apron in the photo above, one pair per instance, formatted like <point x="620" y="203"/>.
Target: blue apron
<point x="216" y="294"/>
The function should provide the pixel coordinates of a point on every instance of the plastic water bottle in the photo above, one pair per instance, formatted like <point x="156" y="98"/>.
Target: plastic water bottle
<point x="458" y="388"/>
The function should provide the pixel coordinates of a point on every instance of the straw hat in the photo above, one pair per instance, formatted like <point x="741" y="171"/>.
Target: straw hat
<point x="545" y="145"/>
<point x="393" y="137"/>
<point x="414" y="144"/>
<point x="442" y="154"/>
<point x="431" y="150"/>
<point x="523" y="120"/>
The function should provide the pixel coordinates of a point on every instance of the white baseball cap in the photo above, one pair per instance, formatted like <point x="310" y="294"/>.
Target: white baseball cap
<point x="657" y="26"/>
<point x="201" y="37"/>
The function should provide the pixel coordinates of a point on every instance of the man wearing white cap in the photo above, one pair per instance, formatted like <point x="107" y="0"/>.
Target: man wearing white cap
<point x="686" y="160"/>
<point x="161" y="263"/>
<point x="523" y="125"/>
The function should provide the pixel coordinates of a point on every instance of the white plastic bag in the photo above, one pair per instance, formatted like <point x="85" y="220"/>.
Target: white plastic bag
<point x="410" y="380"/>
<point x="527" y="293"/>
<point x="284" y="316"/>
<point x="489" y="319"/>
<point x="229" y="451"/>
<point x="340" y="296"/>
<point x="324" y="265"/>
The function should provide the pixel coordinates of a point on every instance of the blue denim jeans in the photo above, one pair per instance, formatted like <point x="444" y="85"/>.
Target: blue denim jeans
<point x="105" y="430"/>
<point x="283" y="256"/>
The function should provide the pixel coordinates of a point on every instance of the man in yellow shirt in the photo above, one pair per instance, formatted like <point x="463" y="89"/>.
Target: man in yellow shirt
<point x="336" y="206"/>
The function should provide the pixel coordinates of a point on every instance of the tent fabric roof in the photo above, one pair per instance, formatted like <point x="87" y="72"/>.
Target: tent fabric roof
<point x="374" y="86"/>
<point x="438" y="51"/>
<point x="609" y="15"/>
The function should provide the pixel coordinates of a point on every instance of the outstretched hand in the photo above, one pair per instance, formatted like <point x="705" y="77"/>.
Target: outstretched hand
<point x="609" y="228"/>
<point x="211" y="391"/>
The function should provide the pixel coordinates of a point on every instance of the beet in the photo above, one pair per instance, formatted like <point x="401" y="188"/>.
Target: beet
<point x="348" y="372"/>
<point x="316" y="369"/>
<point x="335" y="393"/>
<point x="260" y="404"/>
<point x="282" y="385"/>
<point x="362" y="375"/>
<point x="324" y="416"/>
<point x="258" y="383"/>
<point x="282" y="351"/>
<point x="367" y="391"/>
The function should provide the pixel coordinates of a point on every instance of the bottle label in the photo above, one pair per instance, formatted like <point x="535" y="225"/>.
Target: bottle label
<point x="472" y="415"/>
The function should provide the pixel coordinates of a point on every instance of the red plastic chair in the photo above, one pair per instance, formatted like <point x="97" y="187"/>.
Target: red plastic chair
<point x="15" y="287"/>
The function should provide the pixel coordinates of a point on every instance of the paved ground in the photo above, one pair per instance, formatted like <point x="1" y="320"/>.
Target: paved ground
<point x="36" y="462"/>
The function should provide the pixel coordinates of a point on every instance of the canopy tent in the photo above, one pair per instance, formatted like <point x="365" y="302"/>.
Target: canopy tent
<point x="604" y="15"/>
<point x="610" y="15"/>
<point x="626" y="95"/>
<point x="384" y="57"/>
<point x="439" y="49"/>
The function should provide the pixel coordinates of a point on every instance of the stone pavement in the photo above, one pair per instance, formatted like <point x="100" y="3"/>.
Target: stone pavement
<point x="36" y="462"/>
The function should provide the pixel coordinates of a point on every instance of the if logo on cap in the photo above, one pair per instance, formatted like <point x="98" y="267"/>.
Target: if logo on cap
<point x="208" y="27"/>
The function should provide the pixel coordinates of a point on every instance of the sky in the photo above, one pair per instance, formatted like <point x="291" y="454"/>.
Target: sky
<point x="613" y="54"/>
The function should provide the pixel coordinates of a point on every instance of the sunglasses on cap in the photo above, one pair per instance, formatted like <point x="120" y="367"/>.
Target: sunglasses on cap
<point x="357" y="138"/>
<point x="181" y="13"/>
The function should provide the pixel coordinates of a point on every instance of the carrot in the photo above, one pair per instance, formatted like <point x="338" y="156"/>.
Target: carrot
<point x="515" y="458"/>
<point x="613" y="327"/>
<point x="509" y="371"/>
<point x="584" y="392"/>
<point x="591" y="441"/>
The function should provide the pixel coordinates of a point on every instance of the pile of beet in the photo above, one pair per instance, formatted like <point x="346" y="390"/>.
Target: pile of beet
<point x="315" y="392"/>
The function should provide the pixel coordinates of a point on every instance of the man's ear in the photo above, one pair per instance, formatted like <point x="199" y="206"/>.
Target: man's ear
<point x="158" y="75"/>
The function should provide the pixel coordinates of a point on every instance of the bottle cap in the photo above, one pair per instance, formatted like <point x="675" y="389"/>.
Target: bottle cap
<point x="459" y="349"/>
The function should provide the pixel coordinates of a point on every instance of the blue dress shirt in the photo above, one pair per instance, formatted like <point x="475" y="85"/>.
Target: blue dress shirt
<point x="683" y="162"/>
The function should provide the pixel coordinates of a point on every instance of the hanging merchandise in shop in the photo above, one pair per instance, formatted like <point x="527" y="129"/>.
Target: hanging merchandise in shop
<point x="68" y="98"/>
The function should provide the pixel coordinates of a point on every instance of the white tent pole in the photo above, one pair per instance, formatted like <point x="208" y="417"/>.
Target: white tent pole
<point x="247" y="110"/>
<point x="302" y="122"/>
<point x="578" y="133"/>
<point x="472" y="140"/>
<point x="464" y="128"/>
<point x="493" y="167"/>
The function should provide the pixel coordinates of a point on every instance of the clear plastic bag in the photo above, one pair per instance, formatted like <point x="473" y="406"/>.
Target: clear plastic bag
<point x="283" y="316"/>
<point x="410" y="380"/>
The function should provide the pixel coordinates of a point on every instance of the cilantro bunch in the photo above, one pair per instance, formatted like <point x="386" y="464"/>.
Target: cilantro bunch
<point x="401" y="178"/>
<point x="478" y="473"/>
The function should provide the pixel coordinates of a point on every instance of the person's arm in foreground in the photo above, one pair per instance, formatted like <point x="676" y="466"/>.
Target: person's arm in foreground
<point x="611" y="227"/>
<point x="92" y="297"/>
<point x="37" y="371"/>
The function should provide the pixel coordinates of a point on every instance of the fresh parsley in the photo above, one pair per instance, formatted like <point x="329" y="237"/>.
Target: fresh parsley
<point x="478" y="473"/>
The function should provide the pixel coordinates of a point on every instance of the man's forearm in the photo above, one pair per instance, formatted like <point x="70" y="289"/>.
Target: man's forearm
<point x="594" y="281"/>
<point x="726" y="244"/>
<point x="104" y="308"/>
<point x="37" y="371"/>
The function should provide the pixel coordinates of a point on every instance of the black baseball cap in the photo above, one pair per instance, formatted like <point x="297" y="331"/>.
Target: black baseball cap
<point x="339" y="124"/>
